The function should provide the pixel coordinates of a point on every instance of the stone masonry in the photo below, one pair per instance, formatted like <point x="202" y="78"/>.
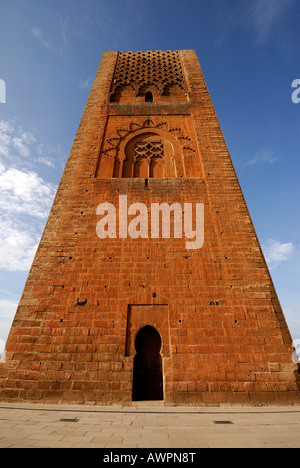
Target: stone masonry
<point x="149" y="131"/>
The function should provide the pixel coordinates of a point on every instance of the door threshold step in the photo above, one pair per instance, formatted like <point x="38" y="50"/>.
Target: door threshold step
<point x="143" y="404"/>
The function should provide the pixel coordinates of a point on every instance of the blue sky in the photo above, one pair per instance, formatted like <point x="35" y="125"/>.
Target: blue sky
<point x="49" y="55"/>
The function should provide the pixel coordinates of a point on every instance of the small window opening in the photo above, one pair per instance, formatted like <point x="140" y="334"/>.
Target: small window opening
<point x="149" y="97"/>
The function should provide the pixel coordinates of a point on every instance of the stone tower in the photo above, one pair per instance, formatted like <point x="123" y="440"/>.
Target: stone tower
<point x="142" y="317"/>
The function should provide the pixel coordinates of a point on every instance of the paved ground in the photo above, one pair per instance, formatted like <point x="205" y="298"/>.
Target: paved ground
<point x="151" y="426"/>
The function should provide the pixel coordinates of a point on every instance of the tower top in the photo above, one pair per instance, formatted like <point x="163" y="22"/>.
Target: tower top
<point x="143" y="68"/>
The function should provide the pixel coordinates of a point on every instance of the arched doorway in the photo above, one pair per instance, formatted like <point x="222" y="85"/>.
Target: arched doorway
<point x="147" y="372"/>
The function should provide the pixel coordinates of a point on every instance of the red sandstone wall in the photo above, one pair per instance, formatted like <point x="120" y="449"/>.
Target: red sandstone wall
<point x="225" y="339"/>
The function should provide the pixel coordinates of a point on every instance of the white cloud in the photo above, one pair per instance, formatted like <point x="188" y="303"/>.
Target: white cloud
<point x="15" y="142"/>
<point x="17" y="246"/>
<point x="25" y="197"/>
<point x="22" y="148"/>
<point x="266" y="20"/>
<point x="25" y="202"/>
<point x="22" y="143"/>
<point x="45" y="162"/>
<point x="2" y="346"/>
<point x="25" y="192"/>
<point x="8" y="309"/>
<point x="86" y="84"/>
<point x="38" y="34"/>
<point x="292" y="317"/>
<point x="262" y="158"/>
<point x="46" y="154"/>
<point x="275" y="252"/>
<point x="66" y="34"/>
<point x="6" y="127"/>
<point x="266" y="15"/>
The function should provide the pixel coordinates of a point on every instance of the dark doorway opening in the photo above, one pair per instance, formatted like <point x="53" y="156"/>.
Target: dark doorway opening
<point x="149" y="97"/>
<point x="147" y="372"/>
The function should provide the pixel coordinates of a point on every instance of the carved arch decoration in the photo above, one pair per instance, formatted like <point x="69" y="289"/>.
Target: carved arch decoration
<point x="113" y="154"/>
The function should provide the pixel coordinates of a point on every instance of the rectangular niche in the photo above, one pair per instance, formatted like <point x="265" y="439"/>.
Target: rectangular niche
<point x="139" y="316"/>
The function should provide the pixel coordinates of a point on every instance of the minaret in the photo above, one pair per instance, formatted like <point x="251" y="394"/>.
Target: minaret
<point x="149" y="282"/>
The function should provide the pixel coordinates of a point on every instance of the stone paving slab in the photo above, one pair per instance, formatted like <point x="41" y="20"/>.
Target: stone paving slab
<point x="147" y="426"/>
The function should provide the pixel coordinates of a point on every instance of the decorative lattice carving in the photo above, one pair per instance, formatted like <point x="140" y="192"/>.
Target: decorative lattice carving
<point x="140" y="69"/>
<point x="149" y="149"/>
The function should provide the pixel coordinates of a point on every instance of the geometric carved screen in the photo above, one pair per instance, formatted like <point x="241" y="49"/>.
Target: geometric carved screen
<point x="147" y="162"/>
<point x="149" y="149"/>
<point x="149" y="159"/>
